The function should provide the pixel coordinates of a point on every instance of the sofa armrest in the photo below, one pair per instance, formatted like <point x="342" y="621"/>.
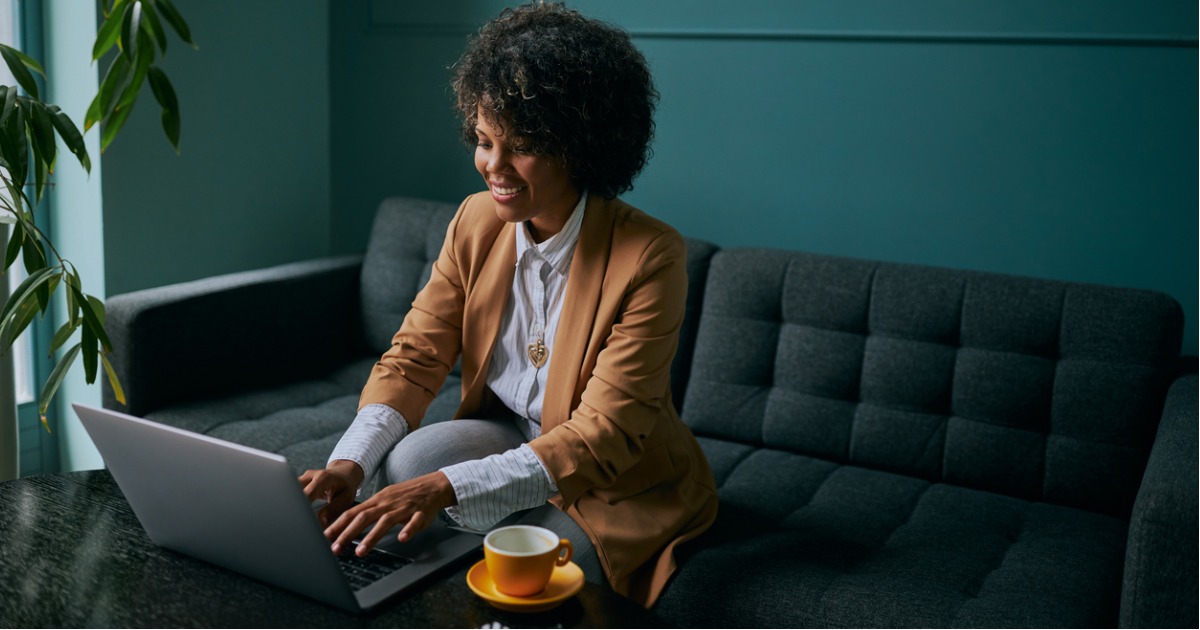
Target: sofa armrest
<point x="1161" y="574"/>
<point x="233" y="332"/>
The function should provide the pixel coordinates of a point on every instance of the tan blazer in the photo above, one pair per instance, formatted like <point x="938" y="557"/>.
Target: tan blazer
<point x="628" y="470"/>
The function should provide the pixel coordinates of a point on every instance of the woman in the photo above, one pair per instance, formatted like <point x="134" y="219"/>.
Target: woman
<point x="565" y="304"/>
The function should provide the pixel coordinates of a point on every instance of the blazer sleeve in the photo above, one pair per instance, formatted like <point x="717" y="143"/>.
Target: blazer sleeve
<point x="627" y="396"/>
<point x="409" y="375"/>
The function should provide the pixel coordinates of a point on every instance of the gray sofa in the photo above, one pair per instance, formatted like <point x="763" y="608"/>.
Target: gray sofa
<point x="895" y="445"/>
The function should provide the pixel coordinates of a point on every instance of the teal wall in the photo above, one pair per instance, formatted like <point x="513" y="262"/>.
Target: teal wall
<point x="1048" y="139"/>
<point x="76" y="208"/>
<point x="251" y="185"/>
<point x="1055" y="141"/>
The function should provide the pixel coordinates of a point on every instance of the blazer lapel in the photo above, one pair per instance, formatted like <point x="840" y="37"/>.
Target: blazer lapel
<point x="486" y="302"/>
<point x="588" y="266"/>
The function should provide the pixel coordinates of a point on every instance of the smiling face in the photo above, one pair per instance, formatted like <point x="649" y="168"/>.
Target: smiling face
<point x="525" y="187"/>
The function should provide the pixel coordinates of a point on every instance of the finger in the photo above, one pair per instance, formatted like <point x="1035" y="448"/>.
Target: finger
<point x="323" y="515"/>
<point x="334" y="529"/>
<point x="372" y="538"/>
<point x="415" y="524"/>
<point x="316" y="486"/>
<point x="353" y="528"/>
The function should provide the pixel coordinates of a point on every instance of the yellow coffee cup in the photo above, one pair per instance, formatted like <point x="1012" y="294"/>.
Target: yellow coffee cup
<point x="521" y="558"/>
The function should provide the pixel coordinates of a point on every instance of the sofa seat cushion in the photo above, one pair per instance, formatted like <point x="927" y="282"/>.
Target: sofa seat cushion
<point x="802" y="541"/>
<point x="301" y="421"/>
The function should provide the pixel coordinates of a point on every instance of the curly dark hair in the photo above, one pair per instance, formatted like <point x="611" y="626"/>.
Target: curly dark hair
<point x="575" y="88"/>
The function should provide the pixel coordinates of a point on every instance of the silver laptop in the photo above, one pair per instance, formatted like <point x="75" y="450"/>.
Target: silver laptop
<point x="243" y="509"/>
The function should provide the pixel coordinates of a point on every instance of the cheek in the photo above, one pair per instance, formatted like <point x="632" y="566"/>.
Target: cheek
<point x="540" y="172"/>
<point x="480" y="162"/>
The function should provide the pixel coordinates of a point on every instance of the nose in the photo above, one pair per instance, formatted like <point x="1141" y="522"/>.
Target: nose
<point x="498" y="160"/>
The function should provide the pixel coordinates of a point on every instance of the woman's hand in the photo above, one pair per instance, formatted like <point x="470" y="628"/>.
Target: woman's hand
<point x="413" y="503"/>
<point x="335" y="484"/>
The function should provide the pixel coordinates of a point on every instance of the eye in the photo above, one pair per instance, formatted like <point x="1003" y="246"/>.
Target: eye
<point x="522" y="149"/>
<point x="483" y="144"/>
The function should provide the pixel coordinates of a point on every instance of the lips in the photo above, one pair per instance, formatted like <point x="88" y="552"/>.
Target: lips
<point x="505" y="193"/>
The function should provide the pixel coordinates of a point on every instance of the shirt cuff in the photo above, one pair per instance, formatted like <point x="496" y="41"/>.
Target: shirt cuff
<point x="491" y="488"/>
<point x="375" y="431"/>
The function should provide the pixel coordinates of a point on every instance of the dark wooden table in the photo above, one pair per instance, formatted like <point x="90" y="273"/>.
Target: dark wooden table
<point x="72" y="554"/>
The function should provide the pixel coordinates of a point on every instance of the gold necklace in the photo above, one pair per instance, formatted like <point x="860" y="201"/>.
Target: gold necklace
<point x="537" y="351"/>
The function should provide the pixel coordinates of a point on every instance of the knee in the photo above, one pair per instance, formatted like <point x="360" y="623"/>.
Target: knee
<point x="419" y="453"/>
<point x="446" y="443"/>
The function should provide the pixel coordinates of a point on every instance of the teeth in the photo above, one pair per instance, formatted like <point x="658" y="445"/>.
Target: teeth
<point x="507" y="191"/>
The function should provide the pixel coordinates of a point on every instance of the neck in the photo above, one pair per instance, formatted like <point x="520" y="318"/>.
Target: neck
<point x="548" y="224"/>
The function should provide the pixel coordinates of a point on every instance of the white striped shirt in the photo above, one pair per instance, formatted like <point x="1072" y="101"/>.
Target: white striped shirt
<point x="490" y="489"/>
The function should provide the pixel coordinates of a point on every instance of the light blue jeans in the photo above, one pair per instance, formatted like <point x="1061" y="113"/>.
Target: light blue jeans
<point x="433" y="446"/>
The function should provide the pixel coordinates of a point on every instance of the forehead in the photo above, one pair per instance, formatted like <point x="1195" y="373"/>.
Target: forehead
<point x="487" y="122"/>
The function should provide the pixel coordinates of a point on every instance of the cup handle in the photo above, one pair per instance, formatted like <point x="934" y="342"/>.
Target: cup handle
<point x="565" y="551"/>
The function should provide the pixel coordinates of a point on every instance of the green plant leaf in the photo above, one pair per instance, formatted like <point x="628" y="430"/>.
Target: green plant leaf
<point x="130" y="26"/>
<point x="150" y="22"/>
<point x="16" y="196"/>
<point x="29" y="62"/>
<point x="90" y="352"/>
<point x="35" y="258"/>
<point x="116" y="5"/>
<point x="55" y="380"/>
<point x="14" y="245"/>
<point x="19" y="71"/>
<point x="74" y="315"/>
<point x="42" y="133"/>
<point x="8" y="95"/>
<point x="92" y="116"/>
<point x="61" y="335"/>
<point x="22" y="316"/>
<point x="114" y="81"/>
<point x="141" y="66"/>
<point x="15" y="147"/>
<point x="9" y="137"/>
<point x="97" y="308"/>
<point x="114" y="126"/>
<point x="164" y="93"/>
<point x="172" y="16"/>
<point x="27" y="289"/>
<point x="90" y="318"/>
<point x="70" y="135"/>
<point x="108" y="33"/>
<point x="118" y="391"/>
<point x="40" y="173"/>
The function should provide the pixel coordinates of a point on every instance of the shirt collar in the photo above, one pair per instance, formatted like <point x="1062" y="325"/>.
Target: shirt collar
<point x="557" y="249"/>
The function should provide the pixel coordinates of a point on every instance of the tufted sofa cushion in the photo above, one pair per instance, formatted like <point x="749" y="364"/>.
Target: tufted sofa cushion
<point x="898" y="445"/>
<point x="405" y="240"/>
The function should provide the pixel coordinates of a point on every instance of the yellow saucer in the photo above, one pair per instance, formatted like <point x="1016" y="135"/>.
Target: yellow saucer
<point x="565" y="582"/>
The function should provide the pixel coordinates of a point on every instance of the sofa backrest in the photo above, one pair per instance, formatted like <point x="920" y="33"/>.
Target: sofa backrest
<point x="405" y="241"/>
<point x="1037" y="389"/>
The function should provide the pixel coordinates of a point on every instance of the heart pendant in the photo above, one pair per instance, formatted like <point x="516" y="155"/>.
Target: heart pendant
<point x="538" y="353"/>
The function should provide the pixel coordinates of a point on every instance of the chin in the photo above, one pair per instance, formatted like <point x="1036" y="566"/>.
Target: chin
<point x="510" y="214"/>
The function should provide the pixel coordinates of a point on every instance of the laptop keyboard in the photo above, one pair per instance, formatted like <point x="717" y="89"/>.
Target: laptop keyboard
<point x="375" y="566"/>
